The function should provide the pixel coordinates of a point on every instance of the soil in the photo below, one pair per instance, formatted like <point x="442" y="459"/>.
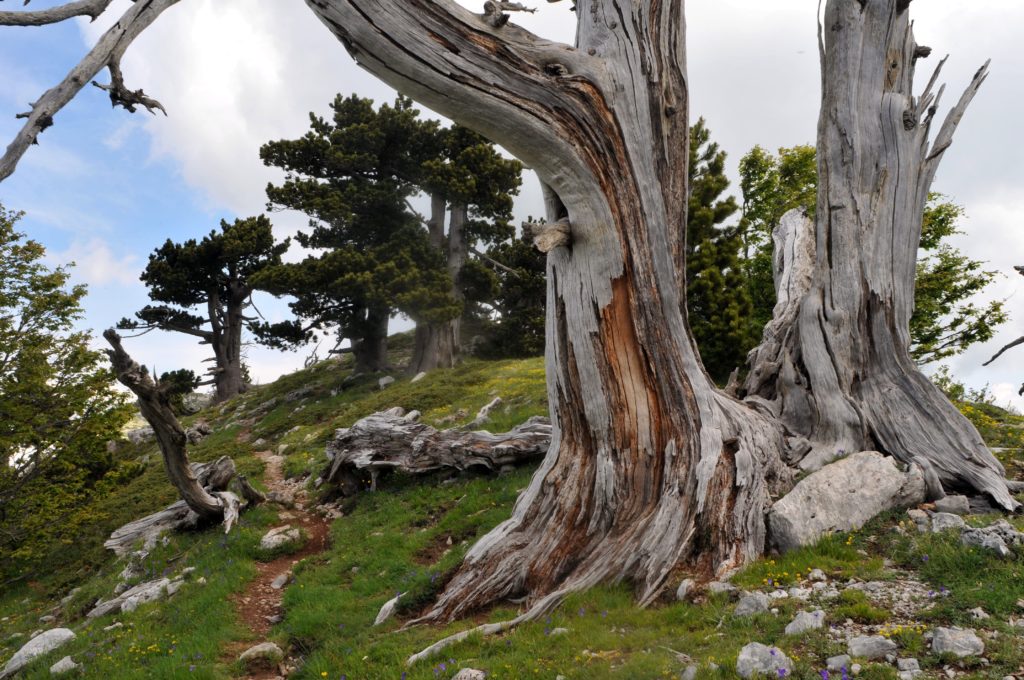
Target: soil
<point x="258" y="605"/>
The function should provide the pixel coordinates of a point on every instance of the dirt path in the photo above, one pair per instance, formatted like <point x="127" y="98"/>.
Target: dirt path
<point x="258" y="607"/>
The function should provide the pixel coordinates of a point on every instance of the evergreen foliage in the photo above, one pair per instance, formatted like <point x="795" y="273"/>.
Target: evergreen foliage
<point x="58" y="404"/>
<point x="516" y="328"/>
<point x="215" y="274"/>
<point x="718" y="300"/>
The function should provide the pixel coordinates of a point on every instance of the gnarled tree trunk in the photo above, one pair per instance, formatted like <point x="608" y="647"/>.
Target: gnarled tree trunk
<point x="438" y="343"/>
<point x="650" y="468"/>
<point x="371" y="348"/>
<point x="835" y="365"/>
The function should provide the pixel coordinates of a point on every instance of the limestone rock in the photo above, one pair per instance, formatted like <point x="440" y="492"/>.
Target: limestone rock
<point x="817" y="575"/>
<point x="758" y="659"/>
<point x="944" y="521"/>
<point x="752" y="603"/>
<point x="806" y="621"/>
<point x="419" y="376"/>
<point x="280" y="536"/>
<point x="385" y="381"/>
<point x="264" y="653"/>
<point x="716" y="587"/>
<point x="959" y="641"/>
<point x="908" y="665"/>
<point x="684" y="589"/>
<point x="41" y="644"/>
<point x="130" y="599"/>
<point x="956" y="505"/>
<point x="843" y="496"/>
<point x="838" y="663"/>
<point x="470" y="674"/>
<point x="281" y="581"/>
<point x="870" y="647"/>
<point x="65" y="665"/>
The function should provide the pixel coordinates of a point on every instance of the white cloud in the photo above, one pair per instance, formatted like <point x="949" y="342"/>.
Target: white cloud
<point x="95" y="264"/>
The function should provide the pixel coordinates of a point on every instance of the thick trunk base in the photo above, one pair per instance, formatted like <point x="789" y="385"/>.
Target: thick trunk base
<point x="436" y="346"/>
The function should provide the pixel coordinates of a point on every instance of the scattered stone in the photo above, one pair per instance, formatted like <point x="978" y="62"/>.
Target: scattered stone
<point x="259" y="443"/>
<point x="778" y="594"/>
<point x="758" y="659"/>
<point x="817" y="575"/>
<point x="65" y="665"/>
<point x="799" y="593"/>
<point x="41" y="644"/>
<point x="274" y="619"/>
<point x="470" y="674"/>
<point x="280" y="536"/>
<point x="264" y="653"/>
<point x="716" y="587"/>
<point x="910" y="675"/>
<point x="187" y="570"/>
<point x="66" y="600"/>
<point x="281" y="581"/>
<point x="173" y="587"/>
<point x="806" y="621"/>
<point x="558" y="631"/>
<point x="908" y="665"/>
<point x="385" y="381"/>
<point x="979" y="614"/>
<point x="387" y="611"/>
<point x="752" y="603"/>
<point x="684" y="589"/>
<point x="959" y="641"/>
<point x="979" y="538"/>
<point x="855" y="669"/>
<point x="140" y="435"/>
<point x="201" y="580"/>
<point x="419" y="376"/>
<point x="943" y="521"/>
<point x="870" y="647"/>
<point x="843" y="496"/>
<point x="838" y="663"/>
<point x="113" y="626"/>
<point x="690" y="673"/>
<point x="47" y="618"/>
<point x="956" y="505"/>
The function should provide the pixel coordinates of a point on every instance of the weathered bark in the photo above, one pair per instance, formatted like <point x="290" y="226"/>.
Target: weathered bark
<point x="650" y="469"/>
<point x="177" y="516"/>
<point x="371" y="349"/>
<point x="837" y="369"/>
<point x="227" y="319"/>
<point x="394" y="440"/>
<point x="156" y="409"/>
<point x="437" y="344"/>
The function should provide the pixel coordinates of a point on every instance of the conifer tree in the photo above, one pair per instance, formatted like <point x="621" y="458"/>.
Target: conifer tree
<point x="718" y="301"/>
<point x="215" y="274"/>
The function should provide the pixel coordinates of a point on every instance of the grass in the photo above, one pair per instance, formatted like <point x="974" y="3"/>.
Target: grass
<point x="411" y="534"/>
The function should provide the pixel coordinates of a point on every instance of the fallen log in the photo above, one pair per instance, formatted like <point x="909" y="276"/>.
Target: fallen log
<point x="396" y="440"/>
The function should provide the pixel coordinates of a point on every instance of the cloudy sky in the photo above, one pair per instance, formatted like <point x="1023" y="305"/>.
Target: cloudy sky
<point x="105" y="187"/>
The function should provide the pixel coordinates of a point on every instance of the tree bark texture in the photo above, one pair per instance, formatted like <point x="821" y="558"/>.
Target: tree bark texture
<point x="370" y="350"/>
<point x="394" y="440"/>
<point x="438" y="344"/>
<point x="837" y="368"/>
<point x="650" y="469"/>
<point x="227" y="320"/>
<point x="156" y="409"/>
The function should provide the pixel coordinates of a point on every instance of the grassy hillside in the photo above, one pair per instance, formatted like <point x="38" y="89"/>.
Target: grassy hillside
<point x="408" y="536"/>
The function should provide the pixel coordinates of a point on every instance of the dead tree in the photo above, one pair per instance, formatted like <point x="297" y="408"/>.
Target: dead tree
<point x="156" y="409"/>
<point x="835" y="366"/>
<point x="651" y="470"/>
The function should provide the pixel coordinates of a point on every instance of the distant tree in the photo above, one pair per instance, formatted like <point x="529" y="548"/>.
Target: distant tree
<point x="516" y="327"/>
<point x="472" y="182"/>
<point x="718" y="301"/>
<point x="946" y="320"/>
<point x="355" y="176"/>
<point x="179" y="384"/>
<point x="58" y="405"/>
<point x="215" y="274"/>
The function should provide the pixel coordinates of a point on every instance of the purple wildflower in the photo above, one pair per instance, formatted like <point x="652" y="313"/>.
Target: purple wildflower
<point x="191" y="667"/>
<point x="782" y="672"/>
<point x="824" y="674"/>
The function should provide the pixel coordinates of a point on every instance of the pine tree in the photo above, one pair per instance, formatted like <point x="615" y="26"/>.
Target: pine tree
<point x="717" y="297"/>
<point x="215" y="274"/>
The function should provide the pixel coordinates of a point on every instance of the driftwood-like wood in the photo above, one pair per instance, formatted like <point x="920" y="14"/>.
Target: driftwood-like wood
<point x="178" y="516"/>
<point x="394" y="440"/>
<point x="836" y="369"/>
<point x="156" y="409"/>
<point x="107" y="53"/>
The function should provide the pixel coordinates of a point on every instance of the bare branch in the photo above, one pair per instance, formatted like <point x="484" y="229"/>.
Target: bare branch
<point x="945" y="137"/>
<point x="122" y="96"/>
<point x="55" y="15"/>
<point x="494" y="263"/>
<point x="108" y="50"/>
<point x="1018" y="341"/>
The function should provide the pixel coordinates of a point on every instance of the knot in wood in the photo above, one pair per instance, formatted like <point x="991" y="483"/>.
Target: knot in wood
<point x="922" y="52"/>
<point x="550" y="235"/>
<point x="909" y="119"/>
<point x="555" y="69"/>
